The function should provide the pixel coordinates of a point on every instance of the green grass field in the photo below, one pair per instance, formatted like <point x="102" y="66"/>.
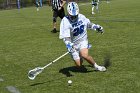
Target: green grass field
<point x="26" y="42"/>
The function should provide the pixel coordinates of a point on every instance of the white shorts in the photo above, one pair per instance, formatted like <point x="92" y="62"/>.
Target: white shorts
<point x="78" y="47"/>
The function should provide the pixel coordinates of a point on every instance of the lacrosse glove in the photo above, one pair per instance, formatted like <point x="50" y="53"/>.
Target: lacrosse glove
<point x="70" y="47"/>
<point x="99" y="29"/>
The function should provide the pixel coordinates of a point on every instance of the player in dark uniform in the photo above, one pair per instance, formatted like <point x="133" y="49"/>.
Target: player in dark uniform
<point x="94" y="5"/>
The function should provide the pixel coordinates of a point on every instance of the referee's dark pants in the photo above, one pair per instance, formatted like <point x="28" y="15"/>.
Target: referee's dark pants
<point x="57" y="13"/>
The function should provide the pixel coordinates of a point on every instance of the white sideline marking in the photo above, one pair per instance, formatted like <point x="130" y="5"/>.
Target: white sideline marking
<point x="12" y="89"/>
<point x="84" y="4"/>
<point x="1" y="80"/>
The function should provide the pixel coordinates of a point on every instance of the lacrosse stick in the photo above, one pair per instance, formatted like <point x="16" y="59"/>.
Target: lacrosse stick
<point x="34" y="72"/>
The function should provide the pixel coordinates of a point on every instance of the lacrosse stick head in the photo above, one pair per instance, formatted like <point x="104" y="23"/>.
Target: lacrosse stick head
<point x="34" y="72"/>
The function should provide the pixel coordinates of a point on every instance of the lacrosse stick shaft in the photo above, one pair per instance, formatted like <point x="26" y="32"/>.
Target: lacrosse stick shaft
<point x="55" y="60"/>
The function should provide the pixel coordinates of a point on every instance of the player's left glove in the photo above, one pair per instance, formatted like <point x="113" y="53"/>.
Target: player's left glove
<point x="99" y="29"/>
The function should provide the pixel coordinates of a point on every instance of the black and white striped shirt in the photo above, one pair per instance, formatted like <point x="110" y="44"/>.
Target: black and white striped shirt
<point x="56" y="4"/>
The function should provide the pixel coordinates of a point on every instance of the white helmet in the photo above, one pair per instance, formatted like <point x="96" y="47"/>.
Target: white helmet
<point x="73" y="11"/>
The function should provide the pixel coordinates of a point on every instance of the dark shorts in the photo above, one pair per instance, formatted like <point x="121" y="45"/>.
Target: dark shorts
<point x="94" y="4"/>
<point x="60" y="13"/>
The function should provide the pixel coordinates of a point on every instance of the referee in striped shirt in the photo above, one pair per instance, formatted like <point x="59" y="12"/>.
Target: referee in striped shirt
<point x="58" y="11"/>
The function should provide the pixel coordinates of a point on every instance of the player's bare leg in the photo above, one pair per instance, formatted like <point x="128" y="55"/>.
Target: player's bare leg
<point x="54" y="27"/>
<point x="78" y="62"/>
<point x="90" y="60"/>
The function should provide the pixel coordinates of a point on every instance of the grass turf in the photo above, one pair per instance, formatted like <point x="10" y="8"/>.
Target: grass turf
<point x="26" y="42"/>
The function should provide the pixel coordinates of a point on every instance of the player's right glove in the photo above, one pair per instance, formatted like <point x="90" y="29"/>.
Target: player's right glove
<point x="70" y="47"/>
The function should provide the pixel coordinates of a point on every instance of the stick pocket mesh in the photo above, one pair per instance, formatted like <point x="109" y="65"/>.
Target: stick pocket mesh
<point x="33" y="73"/>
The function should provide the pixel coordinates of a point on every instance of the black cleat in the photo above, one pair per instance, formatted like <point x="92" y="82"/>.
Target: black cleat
<point x="54" y="30"/>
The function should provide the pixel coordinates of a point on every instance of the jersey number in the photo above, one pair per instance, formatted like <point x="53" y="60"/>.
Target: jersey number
<point x="78" y="30"/>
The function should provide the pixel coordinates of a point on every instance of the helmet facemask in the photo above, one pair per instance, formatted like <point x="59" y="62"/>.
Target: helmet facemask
<point x="73" y="18"/>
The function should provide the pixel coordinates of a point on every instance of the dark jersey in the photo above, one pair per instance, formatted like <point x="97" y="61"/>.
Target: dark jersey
<point x="56" y="4"/>
<point x="95" y="0"/>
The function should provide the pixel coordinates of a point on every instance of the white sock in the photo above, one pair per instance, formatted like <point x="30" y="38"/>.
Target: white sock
<point x="92" y="9"/>
<point x="95" y="65"/>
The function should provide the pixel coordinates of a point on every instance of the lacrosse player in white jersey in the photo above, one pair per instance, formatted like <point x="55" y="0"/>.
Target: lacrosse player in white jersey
<point x="73" y="31"/>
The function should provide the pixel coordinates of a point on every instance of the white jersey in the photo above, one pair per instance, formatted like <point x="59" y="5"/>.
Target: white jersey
<point x="76" y="31"/>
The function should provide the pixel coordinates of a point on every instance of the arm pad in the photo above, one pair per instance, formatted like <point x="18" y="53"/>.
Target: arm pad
<point x="95" y="27"/>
